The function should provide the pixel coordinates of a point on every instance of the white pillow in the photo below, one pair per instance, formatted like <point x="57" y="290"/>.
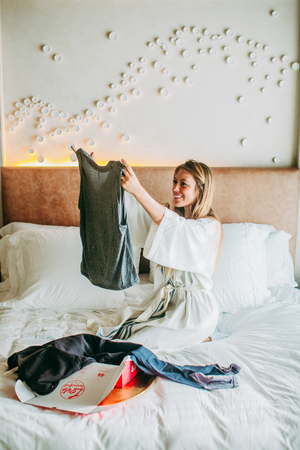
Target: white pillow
<point x="47" y="272"/>
<point x="280" y="263"/>
<point x="12" y="227"/>
<point x="240" y="278"/>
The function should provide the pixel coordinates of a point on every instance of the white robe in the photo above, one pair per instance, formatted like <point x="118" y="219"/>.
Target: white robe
<point x="181" y="312"/>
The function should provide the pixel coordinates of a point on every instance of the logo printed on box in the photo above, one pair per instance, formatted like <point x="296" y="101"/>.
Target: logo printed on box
<point x="72" y="389"/>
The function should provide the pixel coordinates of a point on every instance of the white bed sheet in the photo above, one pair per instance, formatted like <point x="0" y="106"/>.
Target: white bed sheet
<point x="263" y="413"/>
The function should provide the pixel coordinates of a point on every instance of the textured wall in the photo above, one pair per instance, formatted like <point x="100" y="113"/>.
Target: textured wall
<point x="208" y="114"/>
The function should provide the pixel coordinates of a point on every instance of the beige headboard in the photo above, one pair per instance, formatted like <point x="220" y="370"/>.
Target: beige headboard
<point x="49" y="195"/>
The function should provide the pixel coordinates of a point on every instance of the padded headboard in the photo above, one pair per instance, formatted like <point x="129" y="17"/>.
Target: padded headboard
<point x="49" y="195"/>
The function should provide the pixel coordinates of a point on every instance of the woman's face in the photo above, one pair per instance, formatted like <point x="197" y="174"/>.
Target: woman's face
<point x="184" y="190"/>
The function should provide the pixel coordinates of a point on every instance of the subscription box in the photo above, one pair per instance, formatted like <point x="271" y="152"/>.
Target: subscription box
<point x="83" y="391"/>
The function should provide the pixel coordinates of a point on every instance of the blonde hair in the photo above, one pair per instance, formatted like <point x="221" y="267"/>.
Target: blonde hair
<point x="202" y="207"/>
<point x="205" y="186"/>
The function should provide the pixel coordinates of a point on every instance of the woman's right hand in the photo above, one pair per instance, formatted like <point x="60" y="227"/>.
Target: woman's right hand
<point x="129" y="180"/>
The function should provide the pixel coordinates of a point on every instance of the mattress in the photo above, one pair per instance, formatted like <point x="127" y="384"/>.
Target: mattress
<point x="262" y="413"/>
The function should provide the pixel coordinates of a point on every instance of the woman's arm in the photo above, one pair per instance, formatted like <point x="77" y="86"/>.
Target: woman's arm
<point x="132" y="185"/>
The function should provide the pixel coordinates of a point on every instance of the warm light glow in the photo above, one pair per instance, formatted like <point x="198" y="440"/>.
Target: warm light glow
<point x="67" y="163"/>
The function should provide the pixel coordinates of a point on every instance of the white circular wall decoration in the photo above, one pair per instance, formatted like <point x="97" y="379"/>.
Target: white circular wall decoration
<point x="164" y="92"/>
<point x="110" y="99"/>
<point x="189" y="80"/>
<point x="125" y="137"/>
<point x="264" y="90"/>
<point x="57" y="58"/>
<point x="136" y="92"/>
<point x="274" y="13"/>
<point x="89" y="112"/>
<point x="229" y="32"/>
<point x="242" y="99"/>
<point x="39" y="138"/>
<point x="70" y="145"/>
<point x="186" y="54"/>
<point x="31" y="150"/>
<point x="207" y="32"/>
<point x="160" y="41"/>
<point x="113" y="36"/>
<point x="268" y="77"/>
<point x="246" y="142"/>
<point x="54" y="113"/>
<point x="274" y="60"/>
<point x="253" y="55"/>
<point x="285" y="58"/>
<point x="295" y="66"/>
<point x="230" y="60"/>
<point x="40" y="159"/>
<point x="123" y="97"/>
<point x="195" y="30"/>
<point x="105" y="125"/>
<point x="252" y="80"/>
<point x="271" y="120"/>
<point x="58" y="131"/>
<point x="241" y="39"/>
<point x="212" y="51"/>
<point x="76" y="128"/>
<point x="79" y="117"/>
<point x="179" y="42"/>
<point x="276" y="159"/>
<point x="141" y="70"/>
<point x="282" y="83"/>
<point x="157" y="65"/>
<point x="176" y="79"/>
<point x="46" y="48"/>
<point x="73" y="157"/>
<point x="100" y="104"/>
<point x="90" y="142"/>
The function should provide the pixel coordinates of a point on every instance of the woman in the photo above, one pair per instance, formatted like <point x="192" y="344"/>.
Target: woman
<point x="184" y="243"/>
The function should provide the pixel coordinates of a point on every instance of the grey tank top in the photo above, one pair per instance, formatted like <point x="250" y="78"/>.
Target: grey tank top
<point x="107" y="253"/>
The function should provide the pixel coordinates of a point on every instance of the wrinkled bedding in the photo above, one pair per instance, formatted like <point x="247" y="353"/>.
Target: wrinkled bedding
<point x="262" y="413"/>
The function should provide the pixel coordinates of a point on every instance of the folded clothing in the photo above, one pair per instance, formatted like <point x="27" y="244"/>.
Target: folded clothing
<point x="43" y="367"/>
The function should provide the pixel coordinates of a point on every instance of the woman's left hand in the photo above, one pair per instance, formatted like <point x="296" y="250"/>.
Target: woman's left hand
<point x="129" y="180"/>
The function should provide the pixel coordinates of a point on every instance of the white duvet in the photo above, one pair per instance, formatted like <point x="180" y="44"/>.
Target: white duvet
<point x="263" y="413"/>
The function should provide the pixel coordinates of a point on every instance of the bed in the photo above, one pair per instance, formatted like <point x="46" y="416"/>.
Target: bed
<point x="258" y="328"/>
